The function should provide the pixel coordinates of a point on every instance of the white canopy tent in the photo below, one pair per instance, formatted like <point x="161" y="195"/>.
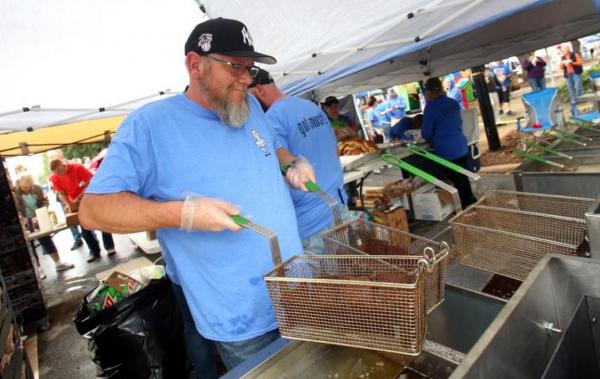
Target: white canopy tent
<point x="333" y="48"/>
<point x="91" y="54"/>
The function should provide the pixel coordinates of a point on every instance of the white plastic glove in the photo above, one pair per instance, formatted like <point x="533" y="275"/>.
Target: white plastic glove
<point x="205" y="213"/>
<point x="299" y="173"/>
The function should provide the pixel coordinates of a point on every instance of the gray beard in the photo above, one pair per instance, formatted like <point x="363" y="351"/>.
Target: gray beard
<point x="230" y="114"/>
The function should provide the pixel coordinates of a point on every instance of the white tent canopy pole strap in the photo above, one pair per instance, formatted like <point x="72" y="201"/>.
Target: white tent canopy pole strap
<point x="277" y="75"/>
<point x="367" y="42"/>
<point x="95" y="111"/>
<point x="22" y="110"/>
<point x="448" y="20"/>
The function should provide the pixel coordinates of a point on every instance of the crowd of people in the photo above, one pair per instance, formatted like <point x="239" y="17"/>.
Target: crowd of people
<point x="67" y="183"/>
<point x="233" y="143"/>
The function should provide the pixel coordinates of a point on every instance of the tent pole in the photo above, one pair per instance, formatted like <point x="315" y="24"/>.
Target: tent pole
<point x="485" y="106"/>
<point x="549" y="62"/>
<point x="448" y="20"/>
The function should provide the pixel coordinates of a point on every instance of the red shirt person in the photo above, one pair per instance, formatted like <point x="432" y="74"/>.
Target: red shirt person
<point x="70" y="180"/>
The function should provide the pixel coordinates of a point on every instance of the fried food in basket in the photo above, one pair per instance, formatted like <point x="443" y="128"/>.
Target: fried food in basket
<point x="355" y="146"/>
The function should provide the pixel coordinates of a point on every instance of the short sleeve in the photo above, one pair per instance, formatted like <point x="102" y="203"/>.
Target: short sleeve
<point x="129" y="165"/>
<point x="278" y="126"/>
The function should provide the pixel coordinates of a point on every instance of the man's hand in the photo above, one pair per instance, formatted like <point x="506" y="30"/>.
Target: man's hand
<point x="205" y="213"/>
<point x="67" y="208"/>
<point x="300" y="173"/>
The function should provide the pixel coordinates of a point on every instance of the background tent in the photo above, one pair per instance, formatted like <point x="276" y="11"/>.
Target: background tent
<point x="89" y="53"/>
<point x="75" y="57"/>
<point x="341" y="48"/>
<point x="34" y="130"/>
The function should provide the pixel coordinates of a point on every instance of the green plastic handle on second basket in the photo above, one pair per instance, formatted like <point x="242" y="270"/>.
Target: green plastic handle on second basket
<point x="240" y="220"/>
<point x="310" y="185"/>
<point x="420" y="151"/>
<point x="543" y="148"/>
<point x="392" y="159"/>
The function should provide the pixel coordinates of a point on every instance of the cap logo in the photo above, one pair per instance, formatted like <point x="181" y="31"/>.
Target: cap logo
<point x="247" y="37"/>
<point x="204" y="41"/>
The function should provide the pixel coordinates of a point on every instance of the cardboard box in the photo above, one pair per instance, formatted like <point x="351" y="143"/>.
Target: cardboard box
<point x="394" y="219"/>
<point x="431" y="203"/>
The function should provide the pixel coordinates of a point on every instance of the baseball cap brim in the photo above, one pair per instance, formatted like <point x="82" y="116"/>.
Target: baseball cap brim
<point x="258" y="57"/>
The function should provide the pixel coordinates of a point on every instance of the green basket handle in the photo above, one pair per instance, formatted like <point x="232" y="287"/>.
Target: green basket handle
<point x="392" y="159"/>
<point x="240" y="220"/>
<point x="424" y="153"/>
<point x="310" y="185"/>
<point x="537" y="158"/>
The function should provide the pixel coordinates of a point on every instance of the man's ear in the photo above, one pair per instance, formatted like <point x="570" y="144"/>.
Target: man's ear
<point x="195" y="65"/>
<point x="261" y="90"/>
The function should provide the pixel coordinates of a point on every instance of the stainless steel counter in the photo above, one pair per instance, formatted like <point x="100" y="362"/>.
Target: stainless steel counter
<point x="362" y="166"/>
<point x="453" y="328"/>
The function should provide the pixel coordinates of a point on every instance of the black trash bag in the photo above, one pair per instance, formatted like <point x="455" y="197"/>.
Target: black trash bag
<point x="139" y="337"/>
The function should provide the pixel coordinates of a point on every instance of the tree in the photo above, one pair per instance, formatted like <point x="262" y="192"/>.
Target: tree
<point x="83" y="150"/>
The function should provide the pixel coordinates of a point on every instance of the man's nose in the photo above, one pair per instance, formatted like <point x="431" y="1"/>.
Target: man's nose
<point x="246" y="78"/>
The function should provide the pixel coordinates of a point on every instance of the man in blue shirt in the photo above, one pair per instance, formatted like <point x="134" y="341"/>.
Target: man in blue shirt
<point x="453" y="91"/>
<point x="503" y="73"/>
<point x="396" y="105"/>
<point x="303" y="129"/>
<point x="179" y="165"/>
<point x="442" y="127"/>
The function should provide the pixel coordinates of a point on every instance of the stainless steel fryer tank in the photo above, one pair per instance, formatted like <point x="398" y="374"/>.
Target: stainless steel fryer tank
<point x="580" y="177"/>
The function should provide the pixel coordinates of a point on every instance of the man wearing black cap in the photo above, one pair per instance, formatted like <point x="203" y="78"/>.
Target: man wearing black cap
<point x="303" y="130"/>
<point x="342" y="125"/>
<point x="442" y="127"/>
<point x="184" y="166"/>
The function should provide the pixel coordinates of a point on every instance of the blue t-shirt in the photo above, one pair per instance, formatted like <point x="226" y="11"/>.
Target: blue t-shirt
<point x="174" y="146"/>
<point x="442" y="126"/>
<point x="374" y="117"/>
<point x="397" y="105"/>
<point x="502" y="71"/>
<point x="384" y="116"/>
<point x="303" y="129"/>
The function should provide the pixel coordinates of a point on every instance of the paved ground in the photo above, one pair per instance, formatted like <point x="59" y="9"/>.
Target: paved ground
<point x="63" y="353"/>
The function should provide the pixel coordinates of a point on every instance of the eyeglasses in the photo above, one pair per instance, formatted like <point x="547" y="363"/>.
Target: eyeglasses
<point x="237" y="68"/>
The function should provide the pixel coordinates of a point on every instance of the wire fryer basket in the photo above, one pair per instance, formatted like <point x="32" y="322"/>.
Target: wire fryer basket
<point x="510" y="242"/>
<point x="363" y="237"/>
<point x="567" y="206"/>
<point x="371" y="302"/>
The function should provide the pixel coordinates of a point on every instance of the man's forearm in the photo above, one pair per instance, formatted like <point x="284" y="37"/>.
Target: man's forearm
<point x="125" y="212"/>
<point x="285" y="157"/>
<point x="63" y="198"/>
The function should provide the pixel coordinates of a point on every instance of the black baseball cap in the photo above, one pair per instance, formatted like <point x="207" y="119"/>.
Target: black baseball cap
<point x="263" y="77"/>
<point x="224" y="36"/>
<point x="330" y="100"/>
<point x="433" y="84"/>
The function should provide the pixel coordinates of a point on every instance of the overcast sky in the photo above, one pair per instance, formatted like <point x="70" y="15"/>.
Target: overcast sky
<point x="90" y="53"/>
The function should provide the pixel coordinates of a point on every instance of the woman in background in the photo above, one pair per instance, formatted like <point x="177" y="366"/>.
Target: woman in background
<point x="442" y="127"/>
<point x="30" y="197"/>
